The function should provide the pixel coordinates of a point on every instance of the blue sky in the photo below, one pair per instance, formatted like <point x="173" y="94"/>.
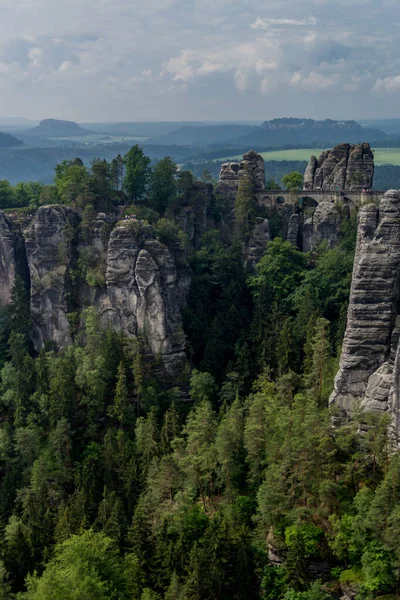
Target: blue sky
<point x="117" y="60"/>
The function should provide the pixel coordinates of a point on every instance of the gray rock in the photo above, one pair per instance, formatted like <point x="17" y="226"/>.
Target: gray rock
<point x="293" y="229"/>
<point x="309" y="175"/>
<point x="345" y="167"/>
<point x="323" y="225"/>
<point x="258" y="240"/>
<point x="232" y="172"/>
<point x="12" y="258"/>
<point x="370" y="344"/>
<point x="142" y="293"/>
<point x="49" y="247"/>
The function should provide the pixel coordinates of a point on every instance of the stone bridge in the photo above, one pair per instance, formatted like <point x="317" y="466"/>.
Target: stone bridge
<point x="311" y="198"/>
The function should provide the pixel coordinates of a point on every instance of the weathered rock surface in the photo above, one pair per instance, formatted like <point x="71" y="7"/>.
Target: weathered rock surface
<point x="370" y="353"/>
<point x="140" y="291"/>
<point x="325" y="224"/>
<point x="346" y="168"/>
<point x="143" y="294"/>
<point x="232" y="172"/>
<point x="258" y="240"/>
<point x="293" y="229"/>
<point x="49" y="248"/>
<point x="12" y="258"/>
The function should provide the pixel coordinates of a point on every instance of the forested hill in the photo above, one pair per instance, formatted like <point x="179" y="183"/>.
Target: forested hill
<point x="167" y="355"/>
<point x="9" y="141"/>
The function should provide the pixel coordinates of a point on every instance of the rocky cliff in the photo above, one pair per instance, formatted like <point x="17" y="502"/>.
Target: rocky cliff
<point x="12" y="259"/>
<point x="232" y="172"/>
<point x="370" y="361"/>
<point x="324" y="224"/>
<point x="126" y="274"/>
<point x="346" y="167"/>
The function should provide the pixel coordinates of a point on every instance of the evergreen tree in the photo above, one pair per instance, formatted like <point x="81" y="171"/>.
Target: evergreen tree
<point x="137" y="173"/>
<point x="163" y="185"/>
<point x="245" y="205"/>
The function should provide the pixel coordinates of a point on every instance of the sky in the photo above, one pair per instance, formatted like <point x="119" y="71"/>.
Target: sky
<point x="170" y="60"/>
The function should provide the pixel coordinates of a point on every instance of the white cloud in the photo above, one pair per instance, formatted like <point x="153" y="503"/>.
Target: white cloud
<point x="313" y="82"/>
<point x="170" y="59"/>
<point x="388" y="84"/>
<point x="268" y="23"/>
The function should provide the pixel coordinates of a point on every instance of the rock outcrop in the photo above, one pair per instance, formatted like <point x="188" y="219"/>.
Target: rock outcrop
<point x="12" y="259"/>
<point x="370" y="361"/>
<point x="143" y="294"/>
<point x="49" y="249"/>
<point x="293" y="229"/>
<point x="345" y="168"/>
<point x="325" y="224"/>
<point x="232" y="172"/>
<point x="126" y="274"/>
<point x="258" y="240"/>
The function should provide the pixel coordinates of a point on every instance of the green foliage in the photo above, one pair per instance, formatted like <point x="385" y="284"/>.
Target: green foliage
<point x="72" y="180"/>
<point x="85" y="566"/>
<point x="293" y="181"/>
<point x="245" y="204"/>
<point x="118" y="480"/>
<point x="137" y="173"/>
<point x="163" y="185"/>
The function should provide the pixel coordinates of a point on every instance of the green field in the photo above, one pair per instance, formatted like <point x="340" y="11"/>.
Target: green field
<point x="383" y="156"/>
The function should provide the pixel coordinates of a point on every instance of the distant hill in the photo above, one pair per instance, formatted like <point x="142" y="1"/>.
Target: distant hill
<point x="9" y="141"/>
<point x="54" y="128"/>
<point x="201" y="136"/>
<point x="37" y="164"/>
<point x="307" y="131"/>
<point x="153" y="129"/>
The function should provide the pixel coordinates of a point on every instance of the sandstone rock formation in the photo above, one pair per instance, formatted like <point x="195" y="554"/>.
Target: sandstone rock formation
<point x="370" y="361"/>
<point x="143" y="294"/>
<point x="293" y="229"/>
<point x="231" y="173"/>
<point x="345" y="168"/>
<point x="137" y="290"/>
<point x="12" y="258"/>
<point x="257" y="243"/>
<point x="49" y="248"/>
<point x="325" y="224"/>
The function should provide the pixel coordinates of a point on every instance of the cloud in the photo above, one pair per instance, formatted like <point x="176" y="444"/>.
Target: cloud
<point x="170" y="59"/>
<point x="388" y="84"/>
<point x="267" y="23"/>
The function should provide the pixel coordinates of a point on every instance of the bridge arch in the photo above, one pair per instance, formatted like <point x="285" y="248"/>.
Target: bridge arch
<point x="307" y="202"/>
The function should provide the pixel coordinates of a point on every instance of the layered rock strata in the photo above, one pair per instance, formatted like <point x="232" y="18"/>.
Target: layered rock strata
<point x="232" y="172"/>
<point x="49" y="248"/>
<point x="370" y="362"/>
<point x="12" y="259"/>
<point x="344" y="168"/>
<point x="137" y="288"/>
<point x="293" y="229"/>
<point x="259" y="239"/>
<point x="324" y="224"/>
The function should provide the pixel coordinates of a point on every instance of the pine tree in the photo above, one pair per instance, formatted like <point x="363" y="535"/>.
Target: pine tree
<point x="245" y="205"/>
<point x="121" y="407"/>
<point x="319" y="379"/>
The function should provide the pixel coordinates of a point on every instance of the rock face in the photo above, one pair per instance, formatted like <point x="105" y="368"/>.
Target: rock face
<point x="370" y="361"/>
<point x="232" y="172"/>
<point x="143" y="294"/>
<point x="257" y="243"/>
<point x="12" y="259"/>
<point x="345" y="168"/>
<point x="49" y="248"/>
<point x="323" y="225"/>
<point x="293" y="229"/>
<point x="137" y="288"/>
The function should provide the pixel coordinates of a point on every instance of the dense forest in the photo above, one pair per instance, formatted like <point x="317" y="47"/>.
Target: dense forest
<point x="230" y="482"/>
